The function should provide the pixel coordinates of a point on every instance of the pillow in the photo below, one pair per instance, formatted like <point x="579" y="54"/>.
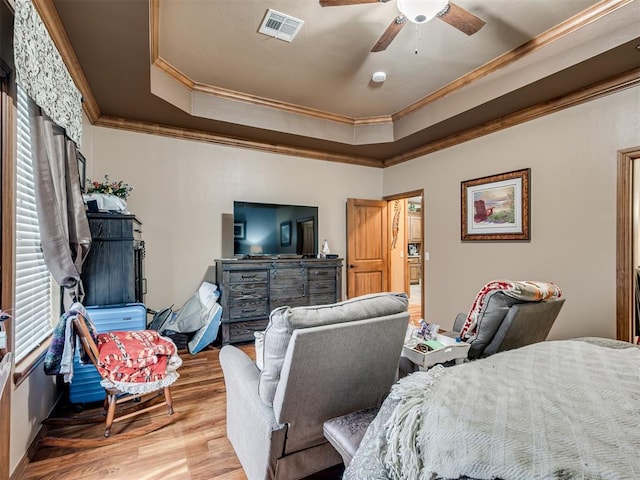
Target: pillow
<point x="196" y="313"/>
<point x="208" y="333"/>
<point x="259" y="346"/>
<point x="284" y="320"/>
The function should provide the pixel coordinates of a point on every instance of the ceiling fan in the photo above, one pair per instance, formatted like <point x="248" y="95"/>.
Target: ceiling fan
<point x="418" y="11"/>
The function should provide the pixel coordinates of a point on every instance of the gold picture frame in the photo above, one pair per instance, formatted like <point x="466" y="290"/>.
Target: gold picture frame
<point x="496" y="208"/>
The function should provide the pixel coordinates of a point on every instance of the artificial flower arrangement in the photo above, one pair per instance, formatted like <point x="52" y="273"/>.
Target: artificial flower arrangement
<point x="119" y="189"/>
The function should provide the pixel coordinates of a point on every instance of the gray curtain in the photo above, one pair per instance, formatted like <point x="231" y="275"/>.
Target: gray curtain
<point x="64" y="228"/>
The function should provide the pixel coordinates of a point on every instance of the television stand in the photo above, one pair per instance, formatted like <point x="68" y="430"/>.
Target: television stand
<point x="251" y="289"/>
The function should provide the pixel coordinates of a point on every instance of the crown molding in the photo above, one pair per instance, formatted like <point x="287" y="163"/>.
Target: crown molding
<point x="561" y="30"/>
<point x="612" y="85"/>
<point x="196" y="135"/>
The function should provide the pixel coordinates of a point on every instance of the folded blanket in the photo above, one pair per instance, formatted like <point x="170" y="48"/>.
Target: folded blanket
<point x="526" y="291"/>
<point x="134" y="356"/>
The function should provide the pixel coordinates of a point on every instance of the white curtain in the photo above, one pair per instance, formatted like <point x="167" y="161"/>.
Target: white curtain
<point x="64" y="228"/>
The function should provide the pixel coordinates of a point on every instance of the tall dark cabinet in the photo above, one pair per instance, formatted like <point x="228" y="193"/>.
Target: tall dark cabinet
<point x="113" y="272"/>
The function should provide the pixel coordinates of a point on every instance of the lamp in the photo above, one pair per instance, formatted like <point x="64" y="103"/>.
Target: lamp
<point x="421" y="11"/>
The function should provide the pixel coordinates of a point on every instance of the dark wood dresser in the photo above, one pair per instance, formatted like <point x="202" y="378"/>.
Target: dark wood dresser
<point x="113" y="272"/>
<point x="251" y="289"/>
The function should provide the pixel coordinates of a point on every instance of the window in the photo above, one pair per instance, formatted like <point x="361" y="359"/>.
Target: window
<point x="32" y="307"/>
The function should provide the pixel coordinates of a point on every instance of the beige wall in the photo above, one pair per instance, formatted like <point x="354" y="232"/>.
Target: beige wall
<point x="31" y="402"/>
<point x="572" y="155"/>
<point x="182" y="189"/>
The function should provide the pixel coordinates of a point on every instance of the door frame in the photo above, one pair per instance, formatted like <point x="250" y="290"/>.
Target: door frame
<point x="625" y="292"/>
<point x="404" y="195"/>
<point x="7" y="199"/>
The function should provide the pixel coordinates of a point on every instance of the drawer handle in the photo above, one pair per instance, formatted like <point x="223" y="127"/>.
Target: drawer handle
<point x="248" y="292"/>
<point x="249" y="276"/>
<point x="245" y="310"/>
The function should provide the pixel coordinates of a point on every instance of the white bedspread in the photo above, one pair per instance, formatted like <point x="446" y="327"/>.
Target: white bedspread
<point x="554" y="410"/>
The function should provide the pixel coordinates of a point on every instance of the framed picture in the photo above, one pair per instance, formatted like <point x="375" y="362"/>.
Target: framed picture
<point x="239" y="230"/>
<point x="496" y="207"/>
<point x="82" y="172"/>
<point x="285" y="234"/>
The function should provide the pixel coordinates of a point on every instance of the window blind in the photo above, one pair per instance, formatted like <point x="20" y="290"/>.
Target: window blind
<point x="32" y="306"/>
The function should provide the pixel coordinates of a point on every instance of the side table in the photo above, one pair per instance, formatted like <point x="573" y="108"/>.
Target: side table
<point x="451" y="350"/>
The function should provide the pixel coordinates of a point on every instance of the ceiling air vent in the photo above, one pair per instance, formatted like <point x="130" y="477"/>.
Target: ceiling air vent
<point x="281" y="26"/>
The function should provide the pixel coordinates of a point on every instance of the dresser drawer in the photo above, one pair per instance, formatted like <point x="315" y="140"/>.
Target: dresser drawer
<point x="243" y="331"/>
<point x="248" y="276"/>
<point x="322" y="273"/>
<point x="322" y="298"/>
<point x="248" y="291"/>
<point x="322" y="286"/>
<point x="248" y="310"/>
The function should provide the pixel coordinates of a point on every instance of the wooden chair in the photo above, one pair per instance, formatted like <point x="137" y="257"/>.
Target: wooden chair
<point x="114" y="397"/>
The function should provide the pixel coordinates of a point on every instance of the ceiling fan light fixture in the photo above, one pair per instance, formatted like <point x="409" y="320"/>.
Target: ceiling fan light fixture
<point x="421" y="11"/>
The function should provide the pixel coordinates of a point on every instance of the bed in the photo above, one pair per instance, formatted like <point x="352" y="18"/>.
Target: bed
<point x="553" y="410"/>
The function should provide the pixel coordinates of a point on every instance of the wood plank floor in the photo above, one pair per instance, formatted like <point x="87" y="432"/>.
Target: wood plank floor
<point x="193" y="447"/>
<point x="415" y="313"/>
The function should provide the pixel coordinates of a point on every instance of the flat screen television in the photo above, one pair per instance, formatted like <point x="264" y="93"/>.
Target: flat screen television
<point x="268" y="229"/>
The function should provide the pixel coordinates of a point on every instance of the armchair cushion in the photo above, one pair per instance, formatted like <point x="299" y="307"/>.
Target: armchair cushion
<point x="284" y="320"/>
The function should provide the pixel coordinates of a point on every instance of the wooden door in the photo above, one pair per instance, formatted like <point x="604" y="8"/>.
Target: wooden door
<point x="367" y="239"/>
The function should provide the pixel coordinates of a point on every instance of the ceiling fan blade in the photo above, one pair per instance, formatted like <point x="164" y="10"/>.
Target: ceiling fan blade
<point x="339" y="3"/>
<point x="390" y="33"/>
<point x="462" y="19"/>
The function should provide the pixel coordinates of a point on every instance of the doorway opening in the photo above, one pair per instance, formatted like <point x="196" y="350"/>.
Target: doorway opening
<point x="628" y="246"/>
<point x="385" y="248"/>
<point x="406" y="249"/>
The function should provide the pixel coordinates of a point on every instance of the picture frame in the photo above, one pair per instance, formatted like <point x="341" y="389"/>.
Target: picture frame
<point x="285" y="234"/>
<point x="82" y="171"/>
<point x="239" y="230"/>
<point x="496" y="207"/>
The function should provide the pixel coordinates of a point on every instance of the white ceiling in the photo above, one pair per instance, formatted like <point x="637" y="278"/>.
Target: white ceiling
<point x="328" y="66"/>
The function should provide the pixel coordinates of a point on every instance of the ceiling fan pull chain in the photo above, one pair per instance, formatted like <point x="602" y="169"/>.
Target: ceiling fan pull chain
<point x="417" y="38"/>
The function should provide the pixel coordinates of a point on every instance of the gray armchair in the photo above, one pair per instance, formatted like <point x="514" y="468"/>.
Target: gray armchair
<point x="318" y="363"/>
<point x="508" y="323"/>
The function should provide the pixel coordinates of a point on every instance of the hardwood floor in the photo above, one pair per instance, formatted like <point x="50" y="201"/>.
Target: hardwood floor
<point x="193" y="447"/>
<point x="415" y="313"/>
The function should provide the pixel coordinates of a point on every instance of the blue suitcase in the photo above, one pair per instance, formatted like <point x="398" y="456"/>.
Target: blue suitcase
<point x="85" y="384"/>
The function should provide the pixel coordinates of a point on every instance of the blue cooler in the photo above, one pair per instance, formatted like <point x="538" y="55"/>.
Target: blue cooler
<point x="85" y="385"/>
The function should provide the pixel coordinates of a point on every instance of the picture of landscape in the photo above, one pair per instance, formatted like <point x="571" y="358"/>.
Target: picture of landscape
<point x="494" y="205"/>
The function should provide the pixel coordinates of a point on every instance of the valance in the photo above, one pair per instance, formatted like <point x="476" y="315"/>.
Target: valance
<point x="41" y="71"/>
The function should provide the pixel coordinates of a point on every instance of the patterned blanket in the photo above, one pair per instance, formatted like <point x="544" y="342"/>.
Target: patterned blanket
<point x="134" y="356"/>
<point x="522" y="290"/>
<point x="553" y="410"/>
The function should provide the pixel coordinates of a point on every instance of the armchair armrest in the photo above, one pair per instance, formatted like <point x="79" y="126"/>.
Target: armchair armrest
<point x="459" y="322"/>
<point x="257" y="437"/>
